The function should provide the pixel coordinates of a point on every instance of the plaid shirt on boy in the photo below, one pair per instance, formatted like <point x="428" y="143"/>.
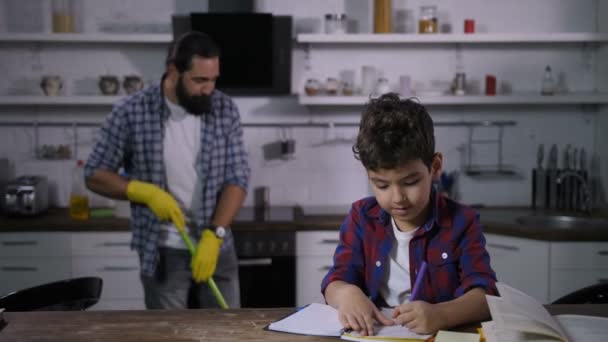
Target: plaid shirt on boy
<point x="451" y="242"/>
<point x="132" y="135"/>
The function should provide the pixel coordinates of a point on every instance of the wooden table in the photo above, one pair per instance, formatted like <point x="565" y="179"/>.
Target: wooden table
<point x="179" y="325"/>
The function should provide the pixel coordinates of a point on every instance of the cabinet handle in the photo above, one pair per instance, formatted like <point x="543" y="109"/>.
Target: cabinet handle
<point x="115" y="244"/>
<point x="330" y="241"/>
<point x="19" y="243"/>
<point x="325" y="268"/>
<point x="504" y="247"/>
<point x="19" y="269"/>
<point x="119" y="268"/>
<point x="603" y="253"/>
<point x="256" y="262"/>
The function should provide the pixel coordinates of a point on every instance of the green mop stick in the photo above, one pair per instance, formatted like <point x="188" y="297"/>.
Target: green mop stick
<point x="214" y="289"/>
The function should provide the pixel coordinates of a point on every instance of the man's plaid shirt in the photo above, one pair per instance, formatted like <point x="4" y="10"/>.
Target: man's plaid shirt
<point x="132" y="136"/>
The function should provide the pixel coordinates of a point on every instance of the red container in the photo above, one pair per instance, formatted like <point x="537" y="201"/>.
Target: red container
<point x="490" y="85"/>
<point x="469" y="26"/>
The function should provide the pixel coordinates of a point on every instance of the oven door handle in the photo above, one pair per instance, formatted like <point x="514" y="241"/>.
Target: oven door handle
<point x="255" y="262"/>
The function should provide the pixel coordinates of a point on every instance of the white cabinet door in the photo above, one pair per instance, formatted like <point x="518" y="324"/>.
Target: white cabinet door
<point x="109" y="256"/>
<point x="310" y="271"/>
<point x="316" y="242"/>
<point x="521" y="263"/>
<point x="120" y="275"/>
<point x="34" y="244"/>
<point x="99" y="244"/>
<point x="579" y="255"/>
<point x="314" y="257"/>
<point x="18" y="273"/>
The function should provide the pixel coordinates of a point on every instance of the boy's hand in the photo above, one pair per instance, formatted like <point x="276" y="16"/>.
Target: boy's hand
<point x="358" y="313"/>
<point x="420" y="317"/>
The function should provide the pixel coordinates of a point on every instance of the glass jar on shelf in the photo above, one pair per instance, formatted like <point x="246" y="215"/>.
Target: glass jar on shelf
<point x="312" y="87"/>
<point x="428" y="20"/>
<point x="331" y="86"/>
<point x="335" y="23"/>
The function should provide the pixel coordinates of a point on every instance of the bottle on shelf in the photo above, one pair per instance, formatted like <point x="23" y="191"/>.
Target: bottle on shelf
<point x="79" y="200"/>
<point x="547" y="86"/>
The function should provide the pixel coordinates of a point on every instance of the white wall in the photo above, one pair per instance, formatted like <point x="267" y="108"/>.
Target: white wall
<point x="328" y="174"/>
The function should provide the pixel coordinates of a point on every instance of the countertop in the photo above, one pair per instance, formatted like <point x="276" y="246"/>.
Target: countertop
<point x="177" y="325"/>
<point x="501" y="221"/>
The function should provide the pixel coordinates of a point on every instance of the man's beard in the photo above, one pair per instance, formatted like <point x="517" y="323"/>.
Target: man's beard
<point x="193" y="104"/>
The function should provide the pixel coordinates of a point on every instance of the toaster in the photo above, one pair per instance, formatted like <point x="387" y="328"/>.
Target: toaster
<point x="27" y="196"/>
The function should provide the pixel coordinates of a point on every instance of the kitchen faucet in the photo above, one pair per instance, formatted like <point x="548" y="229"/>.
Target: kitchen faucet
<point x="586" y="204"/>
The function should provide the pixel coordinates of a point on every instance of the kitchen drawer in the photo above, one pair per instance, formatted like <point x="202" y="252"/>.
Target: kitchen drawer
<point x="521" y="263"/>
<point x="20" y="273"/>
<point x="102" y="244"/>
<point x="34" y="244"/>
<point x="120" y="275"/>
<point x="566" y="281"/>
<point x="310" y="271"/>
<point x="579" y="255"/>
<point x="119" y="304"/>
<point x="316" y="242"/>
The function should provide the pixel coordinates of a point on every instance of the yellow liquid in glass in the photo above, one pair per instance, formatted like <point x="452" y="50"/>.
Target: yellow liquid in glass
<point x="79" y="207"/>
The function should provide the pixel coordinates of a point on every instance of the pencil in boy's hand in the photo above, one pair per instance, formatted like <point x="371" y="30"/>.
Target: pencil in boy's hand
<point x="417" y="285"/>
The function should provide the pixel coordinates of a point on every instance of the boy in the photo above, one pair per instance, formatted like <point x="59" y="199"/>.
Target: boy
<point x="385" y="238"/>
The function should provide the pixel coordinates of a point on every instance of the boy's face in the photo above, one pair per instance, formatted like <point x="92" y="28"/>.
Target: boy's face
<point x="404" y="192"/>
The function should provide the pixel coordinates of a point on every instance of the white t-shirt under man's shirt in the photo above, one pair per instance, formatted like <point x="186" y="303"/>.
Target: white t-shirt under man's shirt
<point x="181" y="145"/>
<point x="396" y="287"/>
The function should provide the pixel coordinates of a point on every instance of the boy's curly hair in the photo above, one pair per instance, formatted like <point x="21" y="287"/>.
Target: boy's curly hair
<point x="393" y="132"/>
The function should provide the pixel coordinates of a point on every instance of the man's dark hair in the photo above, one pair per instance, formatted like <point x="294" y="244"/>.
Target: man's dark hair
<point x="394" y="132"/>
<point x="190" y="44"/>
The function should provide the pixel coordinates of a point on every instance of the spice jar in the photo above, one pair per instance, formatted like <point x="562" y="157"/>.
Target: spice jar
<point x="335" y="23"/>
<point x="428" y="20"/>
<point x="331" y="86"/>
<point x="347" y="89"/>
<point x="311" y="87"/>
<point x="63" y="17"/>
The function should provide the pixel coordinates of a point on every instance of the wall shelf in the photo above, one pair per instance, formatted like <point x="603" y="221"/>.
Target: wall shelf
<point x="454" y="38"/>
<point x="60" y="100"/>
<point x="515" y="99"/>
<point x="143" y="38"/>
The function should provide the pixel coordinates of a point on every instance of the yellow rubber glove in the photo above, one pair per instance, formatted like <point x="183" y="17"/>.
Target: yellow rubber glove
<point x="162" y="204"/>
<point x="205" y="259"/>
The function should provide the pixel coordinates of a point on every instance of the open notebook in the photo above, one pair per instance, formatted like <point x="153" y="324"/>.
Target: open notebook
<point x="322" y="320"/>
<point x="519" y="317"/>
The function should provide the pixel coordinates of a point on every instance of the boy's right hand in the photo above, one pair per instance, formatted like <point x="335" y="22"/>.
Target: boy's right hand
<point x="358" y="313"/>
<point x="162" y="204"/>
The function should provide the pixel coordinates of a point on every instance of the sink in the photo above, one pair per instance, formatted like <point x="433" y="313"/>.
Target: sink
<point x="564" y="222"/>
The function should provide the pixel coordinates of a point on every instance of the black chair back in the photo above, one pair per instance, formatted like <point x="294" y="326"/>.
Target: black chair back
<point x="594" y="294"/>
<point x="66" y="295"/>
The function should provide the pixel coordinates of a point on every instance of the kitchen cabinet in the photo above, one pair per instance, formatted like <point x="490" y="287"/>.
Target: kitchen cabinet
<point x="314" y="257"/>
<point x="108" y="256"/>
<point x="30" y="259"/>
<point x="521" y="263"/>
<point x="575" y="265"/>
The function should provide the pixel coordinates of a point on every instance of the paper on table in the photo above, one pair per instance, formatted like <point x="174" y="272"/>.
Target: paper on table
<point x="315" y="319"/>
<point x="388" y="331"/>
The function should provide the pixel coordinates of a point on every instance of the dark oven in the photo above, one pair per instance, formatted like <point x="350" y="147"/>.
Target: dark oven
<point x="267" y="268"/>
